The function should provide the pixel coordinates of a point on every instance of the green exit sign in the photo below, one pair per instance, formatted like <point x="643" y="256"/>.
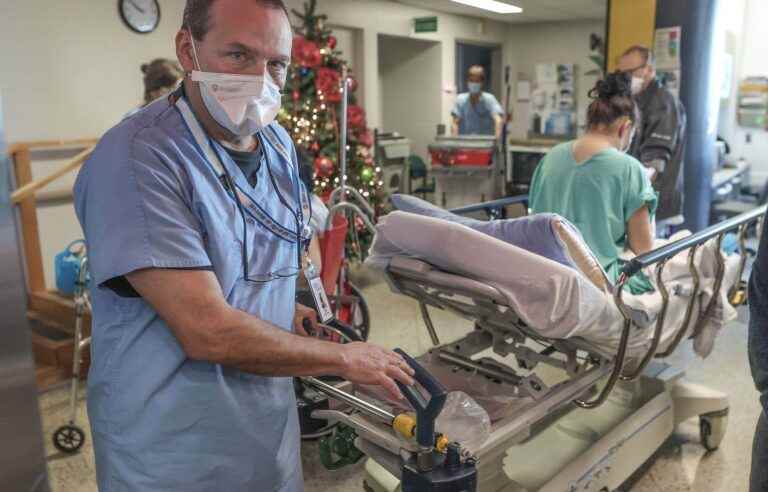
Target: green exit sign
<point x="425" y="24"/>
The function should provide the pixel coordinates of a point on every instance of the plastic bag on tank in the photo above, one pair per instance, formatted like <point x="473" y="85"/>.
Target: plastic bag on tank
<point x="464" y="421"/>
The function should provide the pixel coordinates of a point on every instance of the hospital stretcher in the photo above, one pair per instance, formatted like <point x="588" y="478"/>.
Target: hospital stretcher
<point x="587" y="417"/>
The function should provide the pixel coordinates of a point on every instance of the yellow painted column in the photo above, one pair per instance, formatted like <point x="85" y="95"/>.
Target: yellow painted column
<point x="630" y="22"/>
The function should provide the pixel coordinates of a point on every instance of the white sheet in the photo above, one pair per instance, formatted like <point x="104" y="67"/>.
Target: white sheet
<point x="557" y="301"/>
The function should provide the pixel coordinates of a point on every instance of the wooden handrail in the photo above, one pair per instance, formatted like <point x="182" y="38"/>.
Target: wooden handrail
<point x="30" y="188"/>
<point x="42" y="144"/>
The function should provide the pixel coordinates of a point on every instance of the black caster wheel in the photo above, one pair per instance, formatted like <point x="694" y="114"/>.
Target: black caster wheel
<point x="712" y="430"/>
<point x="68" y="439"/>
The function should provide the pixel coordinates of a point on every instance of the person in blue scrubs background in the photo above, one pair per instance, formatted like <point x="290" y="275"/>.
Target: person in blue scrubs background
<point x="477" y="112"/>
<point x="196" y="224"/>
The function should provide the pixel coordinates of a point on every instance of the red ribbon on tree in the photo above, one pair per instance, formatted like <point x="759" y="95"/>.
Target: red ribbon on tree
<point x="356" y="117"/>
<point x="327" y="81"/>
<point x="306" y="53"/>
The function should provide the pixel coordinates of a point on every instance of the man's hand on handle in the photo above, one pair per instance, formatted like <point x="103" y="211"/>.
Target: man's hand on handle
<point x="365" y="363"/>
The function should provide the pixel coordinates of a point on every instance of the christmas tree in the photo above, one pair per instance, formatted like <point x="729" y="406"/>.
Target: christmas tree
<point x="312" y="113"/>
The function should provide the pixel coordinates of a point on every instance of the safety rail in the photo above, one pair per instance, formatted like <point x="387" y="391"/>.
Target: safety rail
<point x="670" y="250"/>
<point x="658" y="257"/>
<point x="494" y="208"/>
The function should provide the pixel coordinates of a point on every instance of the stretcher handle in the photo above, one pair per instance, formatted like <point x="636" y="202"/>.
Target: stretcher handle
<point x="669" y="250"/>
<point x="426" y="410"/>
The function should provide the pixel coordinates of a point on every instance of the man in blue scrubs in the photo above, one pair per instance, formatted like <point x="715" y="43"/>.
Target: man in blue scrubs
<point x="196" y="223"/>
<point x="477" y="112"/>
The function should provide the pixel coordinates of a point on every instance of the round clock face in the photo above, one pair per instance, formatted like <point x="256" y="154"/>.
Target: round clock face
<point x="142" y="16"/>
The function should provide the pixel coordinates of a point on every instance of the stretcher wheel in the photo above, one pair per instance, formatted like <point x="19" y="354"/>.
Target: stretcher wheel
<point x="68" y="439"/>
<point x="712" y="430"/>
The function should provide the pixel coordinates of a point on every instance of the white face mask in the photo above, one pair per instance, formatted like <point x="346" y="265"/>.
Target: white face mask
<point x="629" y="141"/>
<point x="474" y="87"/>
<point x="243" y="104"/>
<point x="637" y="85"/>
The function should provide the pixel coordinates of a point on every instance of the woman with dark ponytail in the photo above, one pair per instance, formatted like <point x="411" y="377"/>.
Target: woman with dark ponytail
<point x="593" y="183"/>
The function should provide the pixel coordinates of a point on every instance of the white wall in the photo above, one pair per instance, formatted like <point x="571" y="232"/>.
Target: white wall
<point x="558" y="42"/>
<point x="410" y="82"/>
<point x="71" y="69"/>
<point x="744" y="25"/>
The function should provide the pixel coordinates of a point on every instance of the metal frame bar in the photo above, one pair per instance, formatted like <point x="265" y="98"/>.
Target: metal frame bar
<point x="618" y="363"/>
<point x="494" y="208"/>
<point x="659" y="325"/>
<point x="743" y="262"/>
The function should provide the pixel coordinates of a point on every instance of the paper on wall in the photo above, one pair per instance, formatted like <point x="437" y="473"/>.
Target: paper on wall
<point x="666" y="48"/>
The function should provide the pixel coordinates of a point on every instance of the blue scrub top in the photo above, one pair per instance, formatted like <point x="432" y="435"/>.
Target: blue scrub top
<point x="148" y="198"/>
<point x="476" y="119"/>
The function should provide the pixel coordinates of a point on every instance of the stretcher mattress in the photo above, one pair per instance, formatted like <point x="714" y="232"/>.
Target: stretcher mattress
<point x="556" y="300"/>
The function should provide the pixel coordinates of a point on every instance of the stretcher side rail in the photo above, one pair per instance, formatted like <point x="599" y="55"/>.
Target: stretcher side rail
<point x="660" y="256"/>
<point x="669" y="250"/>
<point x="495" y="208"/>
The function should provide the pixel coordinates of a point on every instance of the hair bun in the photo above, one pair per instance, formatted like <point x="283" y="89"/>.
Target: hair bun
<point x="614" y="84"/>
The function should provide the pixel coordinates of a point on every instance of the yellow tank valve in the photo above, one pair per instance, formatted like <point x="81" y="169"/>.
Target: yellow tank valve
<point x="441" y="444"/>
<point x="405" y="425"/>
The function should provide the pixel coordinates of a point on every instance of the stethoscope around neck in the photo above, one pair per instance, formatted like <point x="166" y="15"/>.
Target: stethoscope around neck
<point x="229" y="182"/>
<point x="209" y="150"/>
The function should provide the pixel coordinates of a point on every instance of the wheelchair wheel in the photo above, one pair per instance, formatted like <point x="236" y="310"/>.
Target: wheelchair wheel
<point x="68" y="439"/>
<point x="712" y="429"/>
<point x="360" y="316"/>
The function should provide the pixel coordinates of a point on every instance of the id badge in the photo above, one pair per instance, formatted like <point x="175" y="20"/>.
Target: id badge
<point x="318" y="293"/>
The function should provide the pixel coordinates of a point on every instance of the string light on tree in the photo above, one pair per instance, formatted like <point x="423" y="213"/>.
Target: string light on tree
<point x="312" y="113"/>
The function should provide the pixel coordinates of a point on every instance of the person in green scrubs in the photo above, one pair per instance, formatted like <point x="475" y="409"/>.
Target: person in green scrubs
<point x="593" y="183"/>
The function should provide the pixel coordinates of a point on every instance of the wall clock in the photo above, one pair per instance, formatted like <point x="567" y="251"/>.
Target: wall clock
<point x="141" y="16"/>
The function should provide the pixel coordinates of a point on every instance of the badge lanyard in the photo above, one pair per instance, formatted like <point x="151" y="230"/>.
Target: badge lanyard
<point x="214" y="160"/>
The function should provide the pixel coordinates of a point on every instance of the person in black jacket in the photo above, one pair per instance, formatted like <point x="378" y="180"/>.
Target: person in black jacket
<point x="660" y="139"/>
<point x="758" y="361"/>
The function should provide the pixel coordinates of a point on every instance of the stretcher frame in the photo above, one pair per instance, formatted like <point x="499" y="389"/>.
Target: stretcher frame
<point x="651" y="397"/>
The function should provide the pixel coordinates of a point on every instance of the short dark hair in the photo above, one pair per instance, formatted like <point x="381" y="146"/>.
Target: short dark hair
<point x="611" y="100"/>
<point x="476" y="70"/>
<point x="643" y="51"/>
<point x="197" y="15"/>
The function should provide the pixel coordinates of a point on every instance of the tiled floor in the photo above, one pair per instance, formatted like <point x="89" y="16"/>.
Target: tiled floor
<point x="681" y="464"/>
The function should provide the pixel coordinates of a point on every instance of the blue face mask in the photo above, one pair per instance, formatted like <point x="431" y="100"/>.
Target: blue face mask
<point x="475" y="87"/>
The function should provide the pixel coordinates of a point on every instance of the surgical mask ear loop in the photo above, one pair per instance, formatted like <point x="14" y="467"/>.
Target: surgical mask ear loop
<point x="194" y="49"/>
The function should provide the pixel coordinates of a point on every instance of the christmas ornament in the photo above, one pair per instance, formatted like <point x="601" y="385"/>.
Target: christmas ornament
<point x="366" y="174"/>
<point x="332" y="42"/>
<point x="304" y="71"/>
<point x="323" y="166"/>
<point x="296" y="95"/>
<point x="352" y="84"/>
